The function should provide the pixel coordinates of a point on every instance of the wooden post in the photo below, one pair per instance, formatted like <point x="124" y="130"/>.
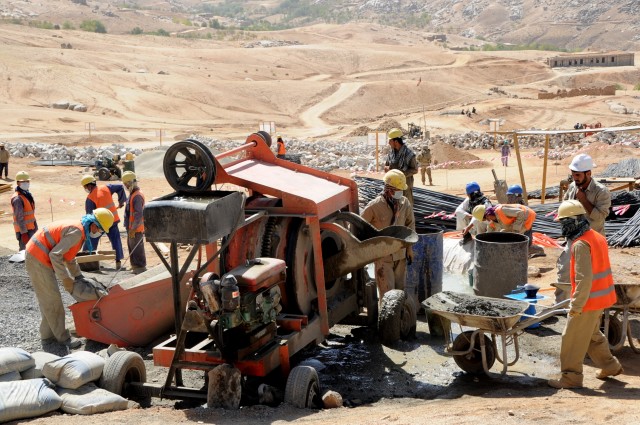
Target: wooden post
<point x="524" y="186"/>
<point x="544" y="170"/>
<point x="377" y="165"/>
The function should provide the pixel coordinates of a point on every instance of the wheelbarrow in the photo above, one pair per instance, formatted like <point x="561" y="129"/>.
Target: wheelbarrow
<point x="615" y="322"/>
<point x="476" y="351"/>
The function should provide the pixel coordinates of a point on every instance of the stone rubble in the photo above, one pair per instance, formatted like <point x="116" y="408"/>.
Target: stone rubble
<point x="57" y="152"/>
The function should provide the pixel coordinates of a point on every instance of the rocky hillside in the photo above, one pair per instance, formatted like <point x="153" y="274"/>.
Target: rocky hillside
<point x="551" y="24"/>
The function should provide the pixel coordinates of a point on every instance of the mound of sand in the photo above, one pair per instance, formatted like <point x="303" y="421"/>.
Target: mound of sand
<point x="449" y="157"/>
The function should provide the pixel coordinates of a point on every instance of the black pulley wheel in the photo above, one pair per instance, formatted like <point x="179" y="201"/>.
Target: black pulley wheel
<point x="472" y="362"/>
<point x="265" y="136"/>
<point x="189" y="166"/>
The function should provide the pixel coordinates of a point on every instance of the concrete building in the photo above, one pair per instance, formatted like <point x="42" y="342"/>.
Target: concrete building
<point x="592" y="59"/>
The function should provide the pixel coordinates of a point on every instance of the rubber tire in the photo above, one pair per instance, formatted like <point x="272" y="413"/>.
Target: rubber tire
<point x="303" y="388"/>
<point x="409" y="319"/>
<point x="207" y="161"/>
<point x="615" y="330"/>
<point x="390" y="316"/>
<point x="472" y="362"/>
<point x="104" y="174"/>
<point x="118" y="172"/>
<point x="121" y="368"/>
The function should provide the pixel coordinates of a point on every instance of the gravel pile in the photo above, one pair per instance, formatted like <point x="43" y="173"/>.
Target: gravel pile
<point x="20" y="311"/>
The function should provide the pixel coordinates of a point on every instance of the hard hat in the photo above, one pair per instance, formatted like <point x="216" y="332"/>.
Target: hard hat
<point x="514" y="189"/>
<point x="87" y="179"/>
<point x="395" y="133"/>
<point x="396" y="179"/>
<point x="582" y="163"/>
<point x="472" y="187"/>
<point x="478" y="212"/>
<point x="128" y="176"/>
<point x="22" y="176"/>
<point x="570" y="208"/>
<point x="104" y="218"/>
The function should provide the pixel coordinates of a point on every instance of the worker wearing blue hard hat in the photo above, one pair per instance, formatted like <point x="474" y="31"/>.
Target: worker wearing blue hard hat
<point x="514" y="194"/>
<point x="464" y="219"/>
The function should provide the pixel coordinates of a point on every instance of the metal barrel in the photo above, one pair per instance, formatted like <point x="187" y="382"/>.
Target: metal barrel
<point x="129" y="165"/>
<point x="424" y="275"/>
<point x="500" y="263"/>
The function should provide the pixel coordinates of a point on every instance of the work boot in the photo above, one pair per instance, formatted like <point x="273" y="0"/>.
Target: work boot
<point x="604" y="374"/>
<point x="138" y="270"/>
<point x="73" y="343"/>
<point x="562" y="383"/>
<point x="119" y="266"/>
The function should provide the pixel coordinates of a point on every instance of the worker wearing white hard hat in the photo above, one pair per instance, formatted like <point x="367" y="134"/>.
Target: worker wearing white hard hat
<point x="596" y="200"/>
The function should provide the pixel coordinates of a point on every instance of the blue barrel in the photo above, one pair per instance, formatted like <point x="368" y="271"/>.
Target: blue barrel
<point x="424" y="275"/>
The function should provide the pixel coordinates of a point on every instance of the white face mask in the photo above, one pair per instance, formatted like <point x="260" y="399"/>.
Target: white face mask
<point x="87" y="190"/>
<point x="24" y="186"/>
<point x="95" y="235"/>
<point x="397" y="194"/>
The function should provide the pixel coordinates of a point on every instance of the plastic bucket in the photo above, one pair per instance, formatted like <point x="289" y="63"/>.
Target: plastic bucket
<point x="500" y="263"/>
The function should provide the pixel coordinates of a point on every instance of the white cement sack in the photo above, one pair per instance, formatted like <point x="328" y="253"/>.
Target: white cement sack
<point x="27" y="399"/>
<point x="41" y="359"/>
<point x="74" y="370"/>
<point x="10" y="376"/>
<point x="89" y="399"/>
<point x="14" y="360"/>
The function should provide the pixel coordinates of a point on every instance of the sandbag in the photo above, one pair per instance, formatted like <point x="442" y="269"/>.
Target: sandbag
<point x="41" y="359"/>
<point x="14" y="359"/>
<point x="10" y="376"/>
<point x="27" y="399"/>
<point x="87" y="289"/>
<point x="89" y="399"/>
<point x="74" y="370"/>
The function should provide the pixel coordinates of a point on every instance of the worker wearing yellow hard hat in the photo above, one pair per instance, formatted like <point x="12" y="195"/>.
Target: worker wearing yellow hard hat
<point x="400" y="157"/>
<point x="391" y="208"/>
<point x="102" y="197"/>
<point x="50" y="254"/>
<point x="24" y="210"/>
<point x="134" y="223"/>
<point x="4" y="161"/>
<point x="592" y="291"/>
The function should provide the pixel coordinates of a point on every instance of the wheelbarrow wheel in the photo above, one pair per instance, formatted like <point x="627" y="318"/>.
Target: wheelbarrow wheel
<point x="390" y="316"/>
<point x="408" y="319"/>
<point x="472" y="362"/>
<point x="303" y="388"/>
<point x="122" y="368"/>
<point x="189" y="166"/>
<point x="615" y="330"/>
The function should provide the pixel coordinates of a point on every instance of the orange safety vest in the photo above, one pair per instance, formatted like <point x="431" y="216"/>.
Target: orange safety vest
<point x="530" y="216"/>
<point x="29" y="213"/>
<point x="281" y="149"/>
<point x="102" y="197"/>
<point x="603" y="294"/>
<point x="41" y="244"/>
<point x="140" y="228"/>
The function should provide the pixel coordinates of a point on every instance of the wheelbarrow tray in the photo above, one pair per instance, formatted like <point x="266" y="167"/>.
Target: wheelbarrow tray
<point x="130" y="316"/>
<point x="501" y="315"/>
<point x="628" y="294"/>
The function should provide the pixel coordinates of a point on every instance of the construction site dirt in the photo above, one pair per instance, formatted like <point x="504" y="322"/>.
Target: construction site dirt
<point x="410" y="382"/>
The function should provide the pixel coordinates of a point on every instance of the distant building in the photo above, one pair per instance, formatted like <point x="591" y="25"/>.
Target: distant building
<point x="592" y="59"/>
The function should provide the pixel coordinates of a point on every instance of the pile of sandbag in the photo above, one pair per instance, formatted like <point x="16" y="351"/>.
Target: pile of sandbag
<point x="36" y="384"/>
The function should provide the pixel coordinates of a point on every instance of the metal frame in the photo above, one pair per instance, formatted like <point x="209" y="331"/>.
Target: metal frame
<point x="622" y="307"/>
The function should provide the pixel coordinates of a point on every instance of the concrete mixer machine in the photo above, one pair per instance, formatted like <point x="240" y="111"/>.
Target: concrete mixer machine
<point x="285" y="260"/>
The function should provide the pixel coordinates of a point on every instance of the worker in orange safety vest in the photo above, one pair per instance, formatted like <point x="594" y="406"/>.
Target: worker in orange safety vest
<point x="102" y="197"/>
<point x="282" y="150"/>
<point x="50" y="254"/>
<point x="134" y="223"/>
<point x="24" y="210"/>
<point x="592" y="290"/>
<point x="514" y="218"/>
